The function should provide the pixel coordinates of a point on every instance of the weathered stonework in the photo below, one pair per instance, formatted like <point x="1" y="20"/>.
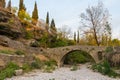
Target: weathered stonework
<point x="60" y="53"/>
<point x="19" y="60"/>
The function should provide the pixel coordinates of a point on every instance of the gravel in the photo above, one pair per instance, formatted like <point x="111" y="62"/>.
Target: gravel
<point x="64" y="74"/>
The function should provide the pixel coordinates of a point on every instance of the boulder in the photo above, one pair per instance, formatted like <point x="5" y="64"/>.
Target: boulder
<point x="10" y="25"/>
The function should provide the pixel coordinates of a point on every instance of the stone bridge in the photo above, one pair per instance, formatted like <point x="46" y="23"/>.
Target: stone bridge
<point x="59" y="54"/>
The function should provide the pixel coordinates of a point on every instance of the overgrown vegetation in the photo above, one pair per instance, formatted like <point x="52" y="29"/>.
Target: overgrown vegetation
<point x="77" y="57"/>
<point x="17" y="52"/>
<point x="8" y="71"/>
<point x="109" y="49"/>
<point x="105" y="69"/>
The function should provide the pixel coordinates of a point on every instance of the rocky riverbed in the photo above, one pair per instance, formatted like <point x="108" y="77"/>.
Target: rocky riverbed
<point x="64" y="74"/>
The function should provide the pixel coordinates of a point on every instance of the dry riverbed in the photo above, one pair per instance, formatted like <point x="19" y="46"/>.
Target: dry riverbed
<point x="64" y="74"/>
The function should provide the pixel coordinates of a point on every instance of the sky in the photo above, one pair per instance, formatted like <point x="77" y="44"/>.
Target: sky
<point x="67" y="12"/>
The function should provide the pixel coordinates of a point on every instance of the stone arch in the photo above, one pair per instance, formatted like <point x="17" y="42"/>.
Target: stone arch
<point x="64" y="56"/>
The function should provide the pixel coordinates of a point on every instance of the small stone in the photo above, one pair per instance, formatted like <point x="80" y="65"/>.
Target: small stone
<point x="18" y="72"/>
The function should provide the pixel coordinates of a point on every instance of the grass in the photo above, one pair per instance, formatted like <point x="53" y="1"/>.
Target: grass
<point x="8" y="71"/>
<point x="11" y="52"/>
<point x="6" y="51"/>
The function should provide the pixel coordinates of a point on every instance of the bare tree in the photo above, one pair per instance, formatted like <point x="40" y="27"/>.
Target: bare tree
<point x="94" y="20"/>
<point x="64" y="32"/>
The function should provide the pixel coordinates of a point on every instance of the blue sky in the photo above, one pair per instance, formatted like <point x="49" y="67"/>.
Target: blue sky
<point x="67" y="12"/>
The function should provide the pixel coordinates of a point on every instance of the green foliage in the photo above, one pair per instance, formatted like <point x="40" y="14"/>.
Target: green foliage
<point x="6" y="51"/>
<point x="109" y="49"/>
<point x="19" y="52"/>
<point x="77" y="57"/>
<point x="27" y="67"/>
<point x="21" y="5"/>
<point x="28" y="35"/>
<point x="53" y="27"/>
<point x="49" y="66"/>
<point x="43" y="41"/>
<point x="104" y="68"/>
<point x="35" y="12"/>
<point x="23" y="15"/>
<point x="37" y="64"/>
<point x="35" y="44"/>
<point x="47" y="19"/>
<point x="9" y="71"/>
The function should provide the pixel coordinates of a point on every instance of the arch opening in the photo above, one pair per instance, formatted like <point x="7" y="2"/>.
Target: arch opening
<point x="76" y="57"/>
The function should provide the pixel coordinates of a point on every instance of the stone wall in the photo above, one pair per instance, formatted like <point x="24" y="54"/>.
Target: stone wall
<point x="20" y="60"/>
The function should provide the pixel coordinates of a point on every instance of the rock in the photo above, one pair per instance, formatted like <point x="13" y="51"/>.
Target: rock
<point x="10" y="25"/>
<point x="18" y="72"/>
<point x="7" y="42"/>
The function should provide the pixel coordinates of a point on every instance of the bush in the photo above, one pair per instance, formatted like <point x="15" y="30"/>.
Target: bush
<point x="109" y="49"/>
<point x="35" y="44"/>
<point x="28" y="35"/>
<point x="37" y="64"/>
<point x="18" y="52"/>
<point x="77" y="57"/>
<point x="27" y="67"/>
<point x="105" y="69"/>
<point x="49" y="66"/>
<point x="8" y="71"/>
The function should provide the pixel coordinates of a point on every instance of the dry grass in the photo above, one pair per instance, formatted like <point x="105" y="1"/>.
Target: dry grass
<point x="41" y="57"/>
<point x="6" y="48"/>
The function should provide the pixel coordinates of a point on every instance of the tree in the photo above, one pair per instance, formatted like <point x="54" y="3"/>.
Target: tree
<point x="9" y="6"/>
<point x="47" y="21"/>
<point x="95" y="20"/>
<point x="53" y="27"/>
<point x="35" y="14"/>
<point x="75" y="36"/>
<point x="64" y="32"/>
<point x="22" y="8"/>
<point x="78" y="37"/>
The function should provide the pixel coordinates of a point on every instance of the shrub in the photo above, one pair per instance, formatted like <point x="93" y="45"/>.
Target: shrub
<point x="77" y="57"/>
<point x="27" y="67"/>
<point x="49" y="65"/>
<point x="8" y="71"/>
<point x="18" y="52"/>
<point x="28" y="35"/>
<point x="35" y="44"/>
<point x="37" y="64"/>
<point x="104" y="68"/>
<point x="109" y="49"/>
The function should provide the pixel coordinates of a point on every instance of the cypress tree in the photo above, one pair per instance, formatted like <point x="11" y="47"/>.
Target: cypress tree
<point x="47" y="18"/>
<point x="21" y="6"/>
<point x="9" y="6"/>
<point x="52" y="26"/>
<point x="78" y="37"/>
<point x="47" y="21"/>
<point x="35" y="13"/>
<point x="75" y="36"/>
